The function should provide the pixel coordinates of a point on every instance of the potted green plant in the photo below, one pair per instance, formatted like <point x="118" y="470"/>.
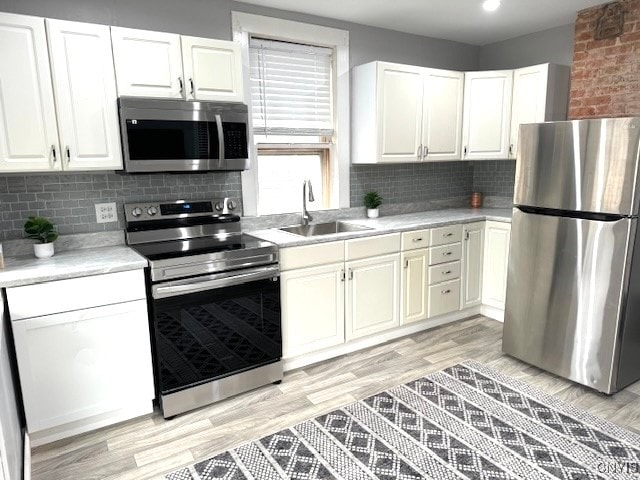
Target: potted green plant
<point x="372" y="201"/>
<point x="42" y="230"/>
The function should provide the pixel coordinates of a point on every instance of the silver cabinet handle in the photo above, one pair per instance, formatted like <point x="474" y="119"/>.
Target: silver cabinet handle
<point x="53" y="153"/>
<point x="350" y="274"/>
<point x="444" y="292"/>
<point x="406" y="263"/>
<point x="425" y="152"/>
<point x="511" y="150"/>
<point x="192" y="87"/>
<point x="448" y="272"/>
<point x="181" y="85"/>
<point x="68" y="150"/>
<point x="417" y="239"/>
<point x="420" y="152"/>
<point x="464" y="152"/>
<point x="446" y="254"/>
<point x="342" y="276"/>
<point x="447" y="234"/>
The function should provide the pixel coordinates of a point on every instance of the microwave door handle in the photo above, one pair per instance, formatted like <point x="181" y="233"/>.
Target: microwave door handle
<point x="220" y="140"/>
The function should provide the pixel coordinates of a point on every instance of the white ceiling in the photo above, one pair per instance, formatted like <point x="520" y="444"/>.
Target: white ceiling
<point x="460" y="20"/>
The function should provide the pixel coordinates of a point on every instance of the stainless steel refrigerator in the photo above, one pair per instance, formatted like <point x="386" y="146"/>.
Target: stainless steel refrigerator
<point x="573" y="286"/>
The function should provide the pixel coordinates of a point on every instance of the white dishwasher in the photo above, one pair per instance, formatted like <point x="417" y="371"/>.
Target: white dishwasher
<point x="83" y="352"/>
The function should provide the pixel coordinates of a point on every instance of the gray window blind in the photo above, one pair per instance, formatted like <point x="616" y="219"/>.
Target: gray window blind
<point x="290" y="88"/>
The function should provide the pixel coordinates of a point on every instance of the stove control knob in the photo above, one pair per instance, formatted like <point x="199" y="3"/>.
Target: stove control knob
<point x="218" y="206"/>
<point x="152" y="211"/>
<point x="231" y="204"/>
<point x="136" y="212"/>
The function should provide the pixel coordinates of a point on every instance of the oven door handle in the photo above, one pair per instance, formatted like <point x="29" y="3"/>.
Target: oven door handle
<point x="210" y="282"/>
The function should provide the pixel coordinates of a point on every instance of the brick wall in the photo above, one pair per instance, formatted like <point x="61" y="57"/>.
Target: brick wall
<point x="605" y="77"/>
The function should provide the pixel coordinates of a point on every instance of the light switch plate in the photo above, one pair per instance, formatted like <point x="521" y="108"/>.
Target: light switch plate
<point x="106" y="212"/>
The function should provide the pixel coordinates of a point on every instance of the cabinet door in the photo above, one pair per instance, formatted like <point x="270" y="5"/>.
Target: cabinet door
<point x="85" y="92"/>
<point x="496" y="258"/>
<point x="487" y="115"/>
<point x="28" y="131"/>
<point x="213" y="69"/>
<point x="400" y="91"/>
<point x="472" y="259"/>
<point x="442" y="120"/>
<point x="79" y="364"/>
<point x="529" y="100"/>
<point x="148" y="64"/>
<point x="414" y="286"/>
<point x="312" y="309"/>
<point x="372" y="295"/>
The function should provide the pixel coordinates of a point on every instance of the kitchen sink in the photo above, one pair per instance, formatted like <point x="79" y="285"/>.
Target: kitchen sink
<point x="324" y="229"/>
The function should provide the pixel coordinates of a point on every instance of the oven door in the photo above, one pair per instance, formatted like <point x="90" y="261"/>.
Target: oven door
<point x="207" y="328"/>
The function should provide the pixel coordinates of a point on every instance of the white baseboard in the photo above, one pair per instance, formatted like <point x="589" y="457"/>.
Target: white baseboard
<point x="492" y="312"/>
<point x="376" y="339"/>
<point x="135" y="409"/>
<point x="26" y="458"/>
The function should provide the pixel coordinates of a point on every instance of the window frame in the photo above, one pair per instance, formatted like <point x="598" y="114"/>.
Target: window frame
<point x="244" y="25"/>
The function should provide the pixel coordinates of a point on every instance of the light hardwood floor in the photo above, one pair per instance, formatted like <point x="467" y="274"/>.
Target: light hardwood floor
<point x="147" y="447"/>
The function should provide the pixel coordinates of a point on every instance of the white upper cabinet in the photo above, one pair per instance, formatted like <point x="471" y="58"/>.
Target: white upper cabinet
<point x="148" y="64"/>
<point x="28" y="131"/>
<point x="403" y="113"/>
<point x="212" y="69"/>
<point x="442" y="115"/>
<point x="487" y="115"/>
<point x="85" y="94"/>
<point x="168" y="65"/>
<point x="400" y="91"/>
<point x="540" y="94"/>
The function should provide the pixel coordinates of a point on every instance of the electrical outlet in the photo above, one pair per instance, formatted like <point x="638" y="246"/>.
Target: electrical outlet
<point x="106" y="212"/>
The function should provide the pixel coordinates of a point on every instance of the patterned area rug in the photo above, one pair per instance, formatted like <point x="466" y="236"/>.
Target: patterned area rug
<point x="466" y="422"/>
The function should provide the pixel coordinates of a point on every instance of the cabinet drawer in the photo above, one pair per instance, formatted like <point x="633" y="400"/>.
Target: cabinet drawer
<point x="75" y="293"/>
<point x="444" y="298"/>
<point x="444" y="272"/>
<point x="372" y="246"/>
<point x="445" y="253"/>
<point x="444" y="235"/>
<point x="311" y="255"/>
<point x="415" y="239"/>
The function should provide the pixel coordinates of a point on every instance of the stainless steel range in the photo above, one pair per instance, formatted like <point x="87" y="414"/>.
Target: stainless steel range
<point x="214" y="301"/>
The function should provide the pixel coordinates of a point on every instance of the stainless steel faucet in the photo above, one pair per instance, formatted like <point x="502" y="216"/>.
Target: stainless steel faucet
<point x="306" y="216"/>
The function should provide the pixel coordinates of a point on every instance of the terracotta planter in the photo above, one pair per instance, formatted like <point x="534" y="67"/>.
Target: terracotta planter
<point x="43" y="250"/>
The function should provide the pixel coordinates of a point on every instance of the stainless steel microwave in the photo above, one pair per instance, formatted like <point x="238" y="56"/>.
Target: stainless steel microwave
<point x="176" y="136"/>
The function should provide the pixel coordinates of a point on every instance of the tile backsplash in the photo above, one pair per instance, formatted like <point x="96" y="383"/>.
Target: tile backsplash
<point x="411" y="182"/>
<point x="68" y="199"/>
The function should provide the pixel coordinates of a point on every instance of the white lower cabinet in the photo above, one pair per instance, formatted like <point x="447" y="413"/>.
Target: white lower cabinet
<point x="373" y="293"/>
<point x="83" y="368"/>
<point x="472" y="259"/>
<point x="414" y="280"/>
<point x="444" y="298"/>
<point x="496" y="257"/>
<point x="312" y="309"/>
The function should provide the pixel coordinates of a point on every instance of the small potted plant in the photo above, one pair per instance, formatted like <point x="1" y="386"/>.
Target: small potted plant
<point x="42" y="230"/>
<point x="372" y="201"/>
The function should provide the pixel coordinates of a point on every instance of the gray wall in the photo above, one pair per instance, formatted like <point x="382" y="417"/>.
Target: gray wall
<point x="549" y="46"/>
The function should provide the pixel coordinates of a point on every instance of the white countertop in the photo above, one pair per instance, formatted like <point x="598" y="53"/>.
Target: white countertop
<point x="70" y="264"/>
<point x="391" y="224"/>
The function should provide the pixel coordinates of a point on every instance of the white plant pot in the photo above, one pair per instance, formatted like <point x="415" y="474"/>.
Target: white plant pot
<point x="373" y="212"/>
<point x="43" y="250"/>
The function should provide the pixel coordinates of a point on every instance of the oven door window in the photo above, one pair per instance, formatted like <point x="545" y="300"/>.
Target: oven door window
<point x="172" y="140"/>
<point x="208" y="335"/>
